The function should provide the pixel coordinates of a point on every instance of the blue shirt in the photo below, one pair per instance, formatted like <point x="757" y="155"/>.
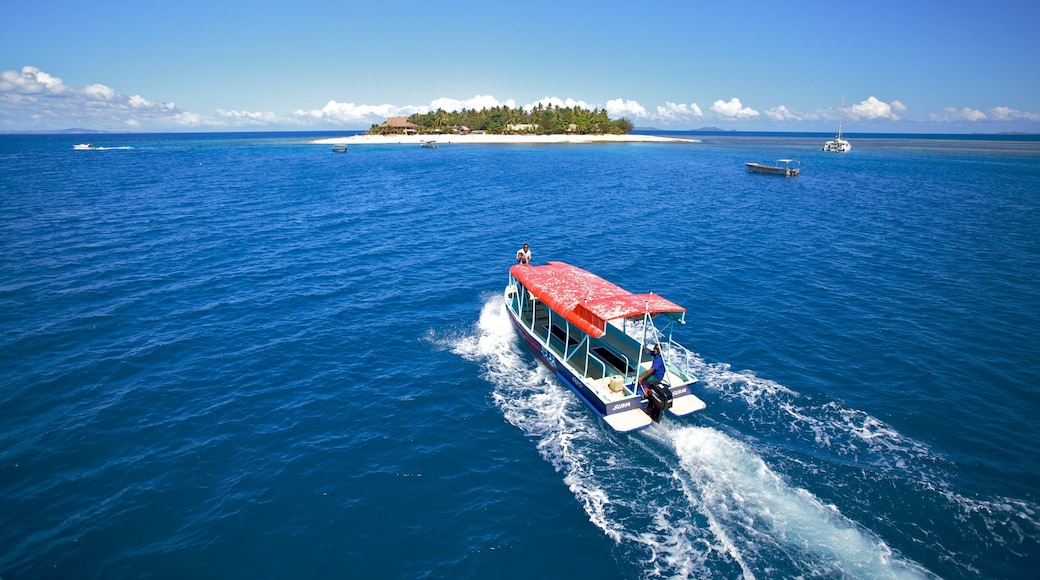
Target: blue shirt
<point x="658" y="367"/>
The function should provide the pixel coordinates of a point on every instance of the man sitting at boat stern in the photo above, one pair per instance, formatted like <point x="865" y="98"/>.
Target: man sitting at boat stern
<point x="658" y="398"/>
<point x="655" y="374"/>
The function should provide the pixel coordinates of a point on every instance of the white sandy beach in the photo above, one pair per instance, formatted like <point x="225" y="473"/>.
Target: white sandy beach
<point x="510" y="139"/>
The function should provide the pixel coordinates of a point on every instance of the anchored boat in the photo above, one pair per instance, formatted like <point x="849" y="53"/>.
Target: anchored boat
<point x="781" y="167"/>
<point x="592" y="334"/>
<point x="839" y="145"/>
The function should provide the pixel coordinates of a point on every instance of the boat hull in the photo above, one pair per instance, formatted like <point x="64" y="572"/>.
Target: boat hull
<point x="572" y="380"/>
<point x="837" y="146"/>
<point x="624" y="415"/>
<point x="772" y="169"/>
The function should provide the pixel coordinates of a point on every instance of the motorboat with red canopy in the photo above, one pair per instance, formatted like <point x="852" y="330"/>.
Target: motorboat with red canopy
<point x="592" y="334"/>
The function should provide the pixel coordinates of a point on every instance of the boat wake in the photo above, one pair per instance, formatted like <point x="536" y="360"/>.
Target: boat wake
<point x="677" y="499"/>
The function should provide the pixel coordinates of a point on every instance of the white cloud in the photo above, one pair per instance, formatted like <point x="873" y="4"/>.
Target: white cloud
<point x="30" y="81"/>
<point x="972" y="114"/>
<point x="248" y="118"/>
<point x="618" y="108"/>
<point x="678" y="112"/>
<point x="997" y="114"/>
<point x="733" y="109"/>
<point x="872" y="108"/>
<point x="350" y="113"/>
<point x="953" y="114"/>
<point x="32" y="99"/>
<point x="782" y="113"/>
<point x="354" y="114"/>
<point x="558" y="102"/>
<point x="477" y="102"/>
<point x="1009" y="114"/>
<point x="139" y="102"/>
<point x="99" y="92"/>
<point x="193" y="120"/>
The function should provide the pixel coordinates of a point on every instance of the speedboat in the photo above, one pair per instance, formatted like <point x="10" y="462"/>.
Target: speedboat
<point x="593" y="333"/>
<point x="781" y="167"/>
<point x="83" y="146"/>
<point x="339" y="148"/>
<point x="428" y="144"/>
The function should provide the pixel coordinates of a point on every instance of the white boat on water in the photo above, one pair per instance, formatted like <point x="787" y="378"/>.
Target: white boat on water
<point x="339" y="148"/>
<point x="781" y="167"/>
<point x="593" y="333"/>
<point x="839" y="145"/>
<point x="83" y="146"/>
<point x="428" y="144"/>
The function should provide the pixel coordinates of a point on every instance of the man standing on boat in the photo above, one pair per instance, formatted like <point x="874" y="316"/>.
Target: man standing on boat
<point x="523" y="255"/>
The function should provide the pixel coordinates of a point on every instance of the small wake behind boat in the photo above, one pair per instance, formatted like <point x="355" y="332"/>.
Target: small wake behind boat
<point x="591" y="333"/>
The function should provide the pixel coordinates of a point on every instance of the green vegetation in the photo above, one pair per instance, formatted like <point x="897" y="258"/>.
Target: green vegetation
<point x="542" y="120"/>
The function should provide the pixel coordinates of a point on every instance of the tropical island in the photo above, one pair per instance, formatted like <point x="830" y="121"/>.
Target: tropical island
<point x="542" y="124"/>
<point x="541" y="120"/>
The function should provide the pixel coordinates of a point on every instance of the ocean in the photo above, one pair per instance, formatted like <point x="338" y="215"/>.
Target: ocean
<point x="245" y="356"/>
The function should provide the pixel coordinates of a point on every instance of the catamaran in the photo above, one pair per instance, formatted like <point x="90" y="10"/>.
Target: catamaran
<point x="593" y="334"/>
<point x="839" y="145"/>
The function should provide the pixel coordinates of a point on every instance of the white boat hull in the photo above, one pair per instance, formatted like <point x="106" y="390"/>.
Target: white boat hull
<point x="837" y="146"/>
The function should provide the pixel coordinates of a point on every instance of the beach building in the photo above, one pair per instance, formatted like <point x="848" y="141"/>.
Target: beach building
<point x="399" y="125"/>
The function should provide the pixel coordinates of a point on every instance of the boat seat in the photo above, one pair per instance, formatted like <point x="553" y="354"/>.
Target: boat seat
<point x="561" y="334"/>
<point x="613" y="359"/>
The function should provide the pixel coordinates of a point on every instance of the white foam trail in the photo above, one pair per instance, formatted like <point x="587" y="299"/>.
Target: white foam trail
<point x="749" y="506"/>
<point x="825" y="426"/>
<point x="533" y="400"/>
<point x="705" y="504"/>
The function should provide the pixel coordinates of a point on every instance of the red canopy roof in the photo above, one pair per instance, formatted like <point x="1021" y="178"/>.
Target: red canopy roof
<point x="585" y="299"/>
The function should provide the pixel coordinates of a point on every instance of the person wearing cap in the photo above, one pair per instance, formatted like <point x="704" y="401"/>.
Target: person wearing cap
<point x="523" y="255"/>
<point x="655" y="374"/>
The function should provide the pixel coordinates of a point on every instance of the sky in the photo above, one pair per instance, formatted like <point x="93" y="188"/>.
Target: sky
<point x="909" y="66"/>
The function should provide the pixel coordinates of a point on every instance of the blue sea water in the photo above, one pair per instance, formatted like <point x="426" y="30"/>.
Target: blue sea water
<point x="245" y="356"/>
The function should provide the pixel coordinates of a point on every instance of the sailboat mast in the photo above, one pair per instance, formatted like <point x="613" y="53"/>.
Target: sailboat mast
<point x="841" y="116"/>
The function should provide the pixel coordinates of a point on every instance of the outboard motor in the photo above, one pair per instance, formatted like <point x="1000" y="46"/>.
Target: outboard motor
<point x="658" y="398"/>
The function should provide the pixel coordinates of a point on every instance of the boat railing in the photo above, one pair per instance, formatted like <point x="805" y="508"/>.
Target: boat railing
<point x="633" y="374"/>
<point x="679" y="356"/>
<point x="596" y="359"/>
